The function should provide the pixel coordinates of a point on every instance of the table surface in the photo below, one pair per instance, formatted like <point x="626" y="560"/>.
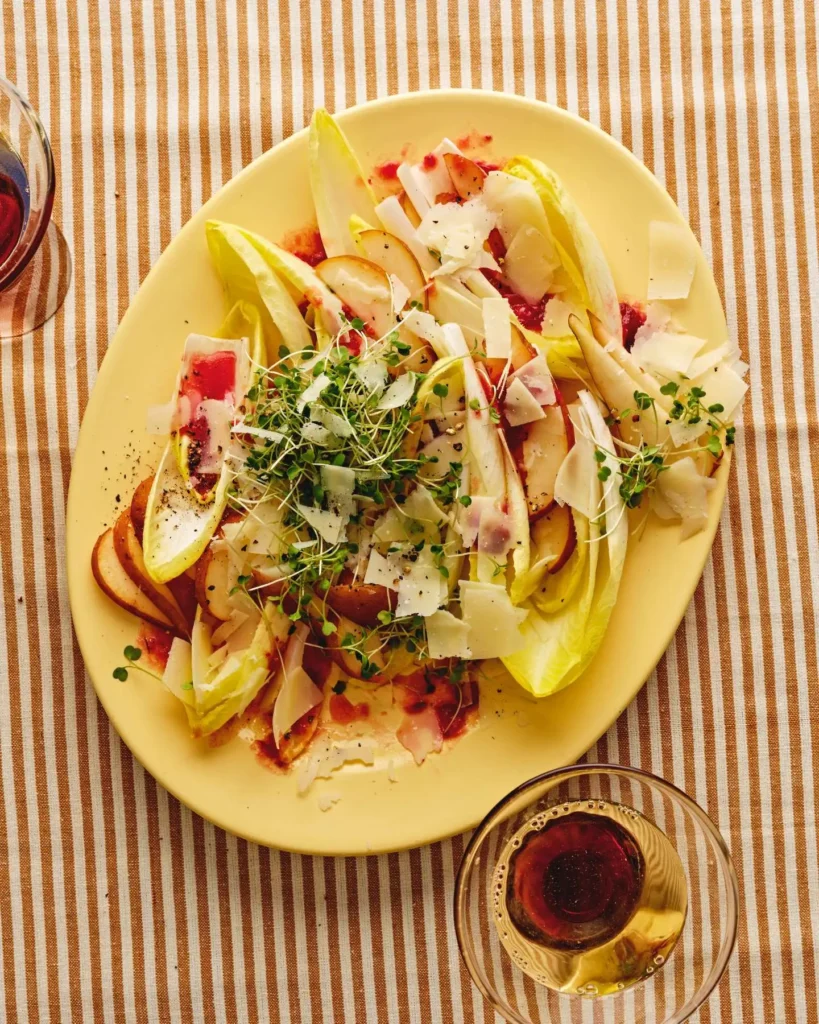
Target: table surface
<point x="116" y="903"/>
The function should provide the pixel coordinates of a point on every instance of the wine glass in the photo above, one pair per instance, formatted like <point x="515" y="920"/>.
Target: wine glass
<point x="35" y="264"/>
<point x="596" y="892"/>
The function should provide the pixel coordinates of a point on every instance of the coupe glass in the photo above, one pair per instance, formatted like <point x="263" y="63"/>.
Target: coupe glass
<point x="36" y="271"/>
<point x="672" y="992"/>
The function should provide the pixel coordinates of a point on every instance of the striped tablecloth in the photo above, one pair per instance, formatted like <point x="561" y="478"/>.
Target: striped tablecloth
<point x="117" y="904"/>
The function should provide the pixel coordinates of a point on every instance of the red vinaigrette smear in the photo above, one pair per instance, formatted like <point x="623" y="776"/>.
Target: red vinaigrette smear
<point x="155" y="644"/>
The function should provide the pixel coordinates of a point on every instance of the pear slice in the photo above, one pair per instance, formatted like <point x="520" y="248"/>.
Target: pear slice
<point x="129" y="553"/>
<point x="139" y="505"/>
<point x="364" y="288"/>
<point x="626" y="361"/>
<point x="616" y="388"/>
<point x="467" y="177"/>
<point x="545" y="444"/>
<point x="396" y="259"/>
<point x="115" y="582"/>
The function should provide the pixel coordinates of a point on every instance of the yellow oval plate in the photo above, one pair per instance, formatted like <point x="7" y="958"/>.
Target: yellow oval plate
<point x="517" y="736"/>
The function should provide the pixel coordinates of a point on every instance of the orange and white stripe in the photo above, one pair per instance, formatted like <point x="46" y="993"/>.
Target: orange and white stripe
<point x="117" y="904"/>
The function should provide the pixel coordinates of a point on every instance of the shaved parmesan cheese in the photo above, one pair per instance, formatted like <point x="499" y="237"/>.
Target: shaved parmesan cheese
<point x="538" y="379"/>
<point x="328" y="758"/>
<point x="419" y="589"/>
<point x="520" y="405"/>
<point x="409" y="177"/>
<point x="457" y="231"/>
<point x="218" y="658"/>
<point x="339" y="483"/>
<point x="381" y="571"/>
<point x="390" y="528"/>
<point x="373" y="374"/>
<point x="685" y="491"/>
<point x="399" y="392"/>
<point x="665" y="353"/>
<point x="312" y="391"/>
<point x="229" y="627"/>
<point x="316" y="434"/>
<point x="658" y="318"/>
<point x="330" y="526"/>
<point x="529" y="264"/>
<point x="336" y="424"/>
<point x="421" y="505"/>
<point x="469" y="519"/>
<point x="722" y="385"/>
<point x="260" y="432"/>
<point x="446" y="448"/>
<point x="298" y="694"/>
<point x="178" y="672"/>
<point x="400" y="294"/>
<point x="497" y="328"/>
<point x="556" y="319"/>
<point x="392" y="216"/>
<point x="218" y="416"/>
<point x="424" y="325"/>
<point x="672" y="260"/>
<point x="573" y="482"/>
<point x="515" y="203"/>
<point x="159" y="418"/>
<point x="447" y="636"/>
<point x="493" y="621"/>
<point x="437" y="176"/>
<point x="421" y="734"/>
<point x="708" y="360"/>
<point x="495" y="532"/>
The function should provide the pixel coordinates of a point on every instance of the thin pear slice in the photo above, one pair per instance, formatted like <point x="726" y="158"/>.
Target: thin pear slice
<point x="364" y="288"/>
<point x="129" y="553"/>
<point x="396" y="260"/>
<point x="467" y="177"/>
<point x="627" y="362"/>
<point x="115" y="582"/>
<point x="339" y="186"/>
<point x="617" y="389"/>
<point x="449" y="306"/>
<point x="178" y="528"/>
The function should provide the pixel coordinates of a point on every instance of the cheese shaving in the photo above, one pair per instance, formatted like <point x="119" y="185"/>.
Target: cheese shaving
<point x="447" y="636"/>
<point x="493" y="621"/>
<point x="330" y="526"/>
<point x="336" y="424"/>
<point x="497" y="328"/>
<point x="312" y="391"/>
<point x="399" y="392"/>
<point x="400" y="294"/>
<point x="538" y="379"/>
<point x="520" y="405"/>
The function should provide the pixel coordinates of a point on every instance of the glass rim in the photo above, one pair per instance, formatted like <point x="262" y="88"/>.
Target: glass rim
<point x="635" y="774"/>
<point x="23" y="251"/>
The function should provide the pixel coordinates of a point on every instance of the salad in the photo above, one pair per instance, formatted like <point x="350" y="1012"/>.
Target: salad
<point x="422" y="443"/>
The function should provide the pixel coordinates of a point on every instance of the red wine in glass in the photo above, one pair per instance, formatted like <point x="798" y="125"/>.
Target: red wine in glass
<point x="14" y="199"/>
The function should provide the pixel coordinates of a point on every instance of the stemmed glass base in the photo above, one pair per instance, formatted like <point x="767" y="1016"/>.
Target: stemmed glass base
<point x="40" y="290"/>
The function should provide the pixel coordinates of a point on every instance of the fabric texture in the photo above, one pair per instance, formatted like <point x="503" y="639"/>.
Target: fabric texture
<point x="116" y="903"/>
